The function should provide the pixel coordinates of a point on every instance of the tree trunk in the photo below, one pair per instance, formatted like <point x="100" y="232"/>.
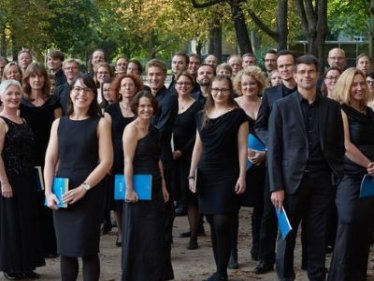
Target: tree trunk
<point x="241" y="30"/>
<point x="282" y="28"/>
<point x="215" y="40"/>
<point x="371" y="40"/>
<point x="3" y="47"/>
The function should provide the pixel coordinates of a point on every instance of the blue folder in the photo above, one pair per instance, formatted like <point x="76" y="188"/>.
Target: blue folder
<point x="367" y="187"/>
<point x="283" y="222"/>
<point x="142" y="186"/>
<point x="59" y="188"/>
<point x="254" y="144"/>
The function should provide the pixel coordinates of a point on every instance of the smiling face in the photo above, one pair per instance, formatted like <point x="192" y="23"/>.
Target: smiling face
<point x="81" y="96"/>
<point x="249" y="86"/>
<point x="220" y="92"/>
<point x="331" y="78"/>
<point x="286" y="66"/>
<point x="183" y="85"/>
<point x="54" y="64"/>
<point x="11" y="98"/>
<point x="13" y="73"/>
<point x="306" y="76"/>
<point x="102" y="73"/>
<point x="156" y="78"/>
<point x="145" y="108"/>
<point x="358" y="89"/>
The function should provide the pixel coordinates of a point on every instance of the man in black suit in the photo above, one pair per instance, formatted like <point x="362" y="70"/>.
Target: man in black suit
<point x="305" y="160"/>
<point x="268" y="231"/>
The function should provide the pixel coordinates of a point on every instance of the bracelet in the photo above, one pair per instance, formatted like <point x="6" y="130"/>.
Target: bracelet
<point x="191" y="177"/>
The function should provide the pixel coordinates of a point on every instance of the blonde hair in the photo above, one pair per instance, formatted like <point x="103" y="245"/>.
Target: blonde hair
<point x="342" y="88"/>
<point x="253" y="71"/>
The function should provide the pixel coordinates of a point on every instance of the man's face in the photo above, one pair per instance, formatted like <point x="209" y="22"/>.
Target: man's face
<point x="24" y="59"/>
<point x="121" y="65"/>
<point x="336" y="58"/>
<point x="248" y="60"/>
<point x="54" y="64"/>
<point x="285" y="66"/>
<point x="205" y="75"/>
<point x="98" y="57"/>
<point x="193" y="65"/>
<point x="270" y="61"/>
<point x="156" y="78"/>
<point x="71" y="70"/>
<point x="211" y="60"/>
<point x="178" y="63"/>
<point x="364" y="64"/>
<point x="236" y="65"/>
<point x="306" y="76"/>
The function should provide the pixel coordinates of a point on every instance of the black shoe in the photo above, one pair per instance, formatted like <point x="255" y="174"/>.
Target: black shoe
<point x="263" y="267"/>
<point x="233" y="262"/>
<point x="217" y="277"/>
<point x="180" y="211"/>
<point x="185" y="234"/>
<point x="30" y="275"/>
<point x="192" y="245"/>
<point x="106" y="228"/>
<point x="12" y="276"/>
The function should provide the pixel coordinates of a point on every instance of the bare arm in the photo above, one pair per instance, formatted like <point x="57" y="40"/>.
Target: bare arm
<point x="58" y="113"/>
<point x="165" y="191"/>
<point x="196" y="155"/>
<point x="6" y="189"/>
<point x="104" y="166"/>
<point x="130" y="141"/>
<point x="51" y="159"/>
<point x="242" y="155"/>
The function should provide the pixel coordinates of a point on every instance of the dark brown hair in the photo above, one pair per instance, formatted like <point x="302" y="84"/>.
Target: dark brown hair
<point x="143" y="94"/>
<point x="36" y="68"/>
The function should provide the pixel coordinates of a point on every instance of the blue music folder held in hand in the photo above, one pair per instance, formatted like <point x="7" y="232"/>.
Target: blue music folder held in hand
<point x="142" y="186"/>
<point x="283" y="222"/>
<point x="254" y="144"/>
<point x="367" y="187"/>
<point x="59" y="188"/>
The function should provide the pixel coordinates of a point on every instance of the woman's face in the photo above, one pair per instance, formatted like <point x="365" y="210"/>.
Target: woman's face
<point x="133" y="68"/>
<point x="183" y="86"/>
<point x="145" y="108"/>
<point x="13" y="73"/>
<point x="108" y="93"/>
<point x="52" y="82"/>
<point x="330" y="79"/>
<point x="358" y="88"/>
<point x="36" y="81"/>
<point x="127" y="88"/>
<point x="102" y="73"/>
<point x="249" y="86"/>
<point x="81" y="95"/>
<point x="275" y="79"/>
<point x="220" y="92"/>
<point x="11" y="98"/>
<point x="225" y="72"/>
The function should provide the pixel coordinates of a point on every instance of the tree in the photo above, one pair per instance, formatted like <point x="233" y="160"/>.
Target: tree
<point x="238" y="20"/>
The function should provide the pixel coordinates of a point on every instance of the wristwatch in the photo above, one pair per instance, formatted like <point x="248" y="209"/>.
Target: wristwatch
<point x="86" y="186"/>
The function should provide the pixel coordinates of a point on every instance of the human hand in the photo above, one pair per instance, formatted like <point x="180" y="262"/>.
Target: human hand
<point x="240" y="185"/>
<point x="165" y="194"/>
<point x="256" y="157"/>
<point x="177" y="154"/>
<point x="6" y="190"/>
<point x="131" y="196"/>
<point x="277" y="198"/>
<point x="74" y="195"/>
<point x="52" y="201"/>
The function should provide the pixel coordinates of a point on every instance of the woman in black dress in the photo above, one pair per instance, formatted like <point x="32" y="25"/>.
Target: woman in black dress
<point x="250" y="83"/>
<point x="40" y="109"/>
<point x="125" y="86"/>
<point x="355" y="215"/>
<point x="20" y="233"/>
<point x="80" y="149"/>
<point x="184" y="132"/>
<point x="219" y="158"/>
<point x="144" y="249"/>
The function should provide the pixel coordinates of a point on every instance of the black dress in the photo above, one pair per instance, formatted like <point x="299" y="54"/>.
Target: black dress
<point x="119" y="122"/>
<point x="255" y="180"/>
<point x="144" y="249"/>
<point x="40" y="119"/>
<point x="218" y="169"/>
<point x="19" y="225"/>
<point x="184" y="134"/>
<point x="355" y="215"/>
<point x="78" y="226"/>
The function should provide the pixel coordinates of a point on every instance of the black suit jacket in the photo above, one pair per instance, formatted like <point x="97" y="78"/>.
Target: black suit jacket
<point x="288" y="144"/>
<point x="269" y="97"/>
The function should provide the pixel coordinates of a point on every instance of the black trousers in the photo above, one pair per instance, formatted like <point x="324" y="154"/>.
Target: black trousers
<point x="310" y="203"/>
<point x="355" y="227"/>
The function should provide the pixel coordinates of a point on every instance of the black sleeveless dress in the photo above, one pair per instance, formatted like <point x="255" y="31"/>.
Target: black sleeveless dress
<point x="78" y="226"/>
<point x="144" y="249"/>
<point x="218" y="169"/>
<point x="20" y="249"/>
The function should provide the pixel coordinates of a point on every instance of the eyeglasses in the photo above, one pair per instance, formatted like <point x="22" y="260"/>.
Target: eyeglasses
<point x="79" y="89"/>
<point x="371" y="82"/>
<point x="223" y="90"/>
<point x="184" y="83"/>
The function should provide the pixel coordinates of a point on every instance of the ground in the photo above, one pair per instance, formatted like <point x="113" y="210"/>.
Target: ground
<point x="189" y="265"/>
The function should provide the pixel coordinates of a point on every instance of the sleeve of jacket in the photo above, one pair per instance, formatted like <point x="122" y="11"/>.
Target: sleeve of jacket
<point x="275" y="149"/>
<point x="166" y="120"/>
<point x="261" y="126"/>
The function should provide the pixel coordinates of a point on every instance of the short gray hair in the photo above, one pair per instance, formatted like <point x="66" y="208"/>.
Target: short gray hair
<point x="5" y="84"/>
